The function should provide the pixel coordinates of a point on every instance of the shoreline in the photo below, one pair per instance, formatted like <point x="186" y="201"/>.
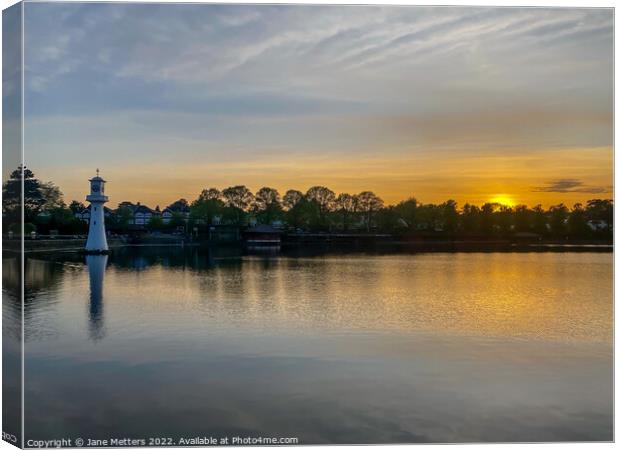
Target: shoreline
<point x="287" y="248"/>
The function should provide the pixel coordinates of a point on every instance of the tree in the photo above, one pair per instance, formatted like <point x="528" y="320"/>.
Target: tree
<point x="155" y="223"/>
<point x="429" y="217"/>
<point x="324" y="199"/>
<point x="177" y="220"/>
<point x="450" y="216"/>
<point x="577" y="222"/>
<point x="504" y="220"/>
<point x="369" y="203"/>
<point x="62" y="220"/>
<point x="407" y="211"/>
<point x="470" y="218"/>
<point x="267" y="205"/>
<point x="210" y="194"/>
<point x="598" y="209"/>
<point x="208" y="205"/>
<point x="389" y="220"/>
<point x="602" y="210"/>
<point x="265" y="197"/>
<point x="487" y="221"/>
<point x="522" y="218"/>
<point x="76" y="207"/>
<point x="124" y="217"/>
<point x="52" y="197"/>
<point x="557" y="220"/>
<point x="539" y="220"/>
<point x="346" y="205"/>
<point x="12" y="196"/>
<point x="294" y="205"/>
<point x="181" y="205"/>
<point x="291" y="199"/>
<point x="238" y="199"/>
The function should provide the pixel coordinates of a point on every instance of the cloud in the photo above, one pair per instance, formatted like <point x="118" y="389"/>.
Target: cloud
<point x="246" y="48"/>
<point x="201" y="84"/>
<point x="571" y="185"/>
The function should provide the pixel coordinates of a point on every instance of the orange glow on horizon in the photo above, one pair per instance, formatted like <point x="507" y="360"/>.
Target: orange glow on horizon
<point x="504" y="200"/>
<point x="430" y="177"/>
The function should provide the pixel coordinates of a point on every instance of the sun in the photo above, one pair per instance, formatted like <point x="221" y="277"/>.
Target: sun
<point x="503" y="199"/>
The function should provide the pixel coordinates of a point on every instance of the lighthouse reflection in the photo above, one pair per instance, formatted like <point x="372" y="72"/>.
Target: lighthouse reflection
<point x="96" y="268"/>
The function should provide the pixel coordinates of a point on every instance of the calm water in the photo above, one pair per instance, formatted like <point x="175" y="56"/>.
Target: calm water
<point x="329" y="349"/>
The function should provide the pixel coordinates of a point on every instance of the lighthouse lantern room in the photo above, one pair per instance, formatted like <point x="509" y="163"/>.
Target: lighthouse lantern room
<point x="97" y="242"/>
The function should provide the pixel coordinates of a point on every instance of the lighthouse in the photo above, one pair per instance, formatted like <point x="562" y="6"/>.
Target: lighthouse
<point x="97" y="242"/>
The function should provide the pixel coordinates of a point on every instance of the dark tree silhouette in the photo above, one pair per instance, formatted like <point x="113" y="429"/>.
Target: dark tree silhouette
<point x="208" y="205"/>
<point x="76" y="206"/>
<point x="52" y="196"/>
<point x="558" y="219"/>
<point x="181" y="205"/>
<point x="346" y="205"/>
<point x="33" y="199"/>
<point x="487" y="221"/>
<point x="210" y="194"/>
<point x="291" y="199"/>
<point x="267" y="205"/>
<point x="522" y="219"/>
<point x="369" y="203"/>
<point x="450" y="216"/>
<point x="324" y="199"/>
<point x="577" y="221"/>
<point x="238" y="199"/>
<point x="540" y="220"/>
<point x="470" y="218"/>
<point x="407" y="211"/>
<point x="505" y="220"/>
<point x="293" y="202"/>
<point x="318" y="209"/>
<point x="155" y="223"/>
<point x="598" y="209"/>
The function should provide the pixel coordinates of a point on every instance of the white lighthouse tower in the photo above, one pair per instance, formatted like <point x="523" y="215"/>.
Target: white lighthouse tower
<point x="97" y="242"/>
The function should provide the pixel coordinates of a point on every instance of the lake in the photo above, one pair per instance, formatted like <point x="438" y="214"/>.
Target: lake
<point x="330" y="348"/>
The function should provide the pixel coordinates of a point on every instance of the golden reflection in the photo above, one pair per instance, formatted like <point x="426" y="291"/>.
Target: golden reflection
<point x="546" y="296"/>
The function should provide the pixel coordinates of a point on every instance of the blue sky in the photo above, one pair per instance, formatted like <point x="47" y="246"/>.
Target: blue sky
<point x="435" y="102"/>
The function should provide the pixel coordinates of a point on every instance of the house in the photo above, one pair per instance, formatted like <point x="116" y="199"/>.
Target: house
<point x="179" y="209"/>
<point x="85" y="213"/>
<point x="141" y="214"/>
<point x="166" y="215"/>
<point x="174" y="210"/>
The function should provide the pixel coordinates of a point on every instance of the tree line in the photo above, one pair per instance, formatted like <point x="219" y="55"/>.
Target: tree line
<point x="319" y="209"/>
<point x="44" y="206"/>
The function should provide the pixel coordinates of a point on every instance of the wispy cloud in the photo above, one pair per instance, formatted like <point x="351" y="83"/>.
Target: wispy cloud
<point x="571" y="185"/>
<point x="343" y="51"/>
<point x="195" y="84"/>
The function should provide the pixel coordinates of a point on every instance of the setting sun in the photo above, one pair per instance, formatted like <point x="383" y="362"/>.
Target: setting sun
<point x="503" y="199"/>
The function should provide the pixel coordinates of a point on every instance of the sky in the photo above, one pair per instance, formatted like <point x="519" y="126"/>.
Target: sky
<point x="470" y="104"/>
